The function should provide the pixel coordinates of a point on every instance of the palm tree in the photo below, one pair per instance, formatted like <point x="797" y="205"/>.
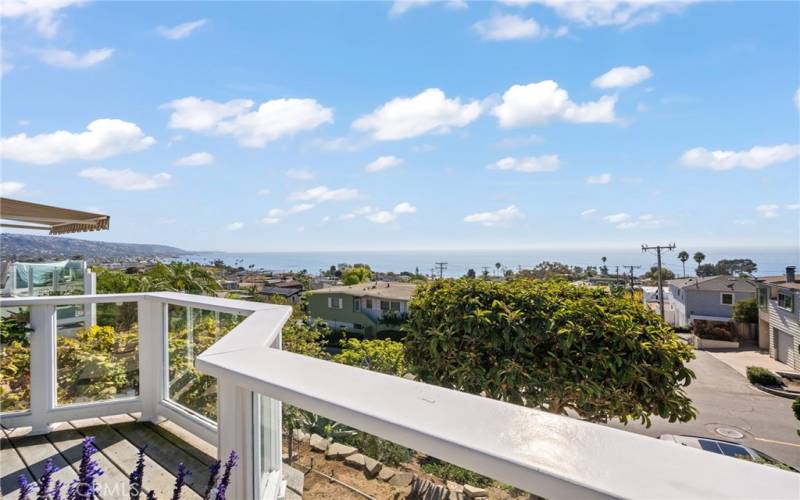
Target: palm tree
<point x="699" y="257"/>
<point x="498" y="266"/>
<point x="182" y="277"/>
<point x="683" y="256"/>
<point x="604" y="268"/>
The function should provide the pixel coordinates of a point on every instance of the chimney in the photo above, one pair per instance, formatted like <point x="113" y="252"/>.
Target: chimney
<point x="790" y="274"/>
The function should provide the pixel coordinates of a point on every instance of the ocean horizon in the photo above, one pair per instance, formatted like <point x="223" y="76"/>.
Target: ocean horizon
<point x="770" y="261"/>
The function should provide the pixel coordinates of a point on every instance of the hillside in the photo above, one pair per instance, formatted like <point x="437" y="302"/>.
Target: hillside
<point x="27" y="247"/>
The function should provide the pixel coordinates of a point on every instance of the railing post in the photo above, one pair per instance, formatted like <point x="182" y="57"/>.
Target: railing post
<point x="90" y="288"/>
<point x="152" y="356"/>
<point x="235" y="433"/>
<point x="43" y="367"/>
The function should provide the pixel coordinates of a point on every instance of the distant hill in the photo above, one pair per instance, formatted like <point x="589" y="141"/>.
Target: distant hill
<point x="27" y="247"/>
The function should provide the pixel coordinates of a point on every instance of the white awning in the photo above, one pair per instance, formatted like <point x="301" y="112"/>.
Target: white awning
<point x="53" y="219"/>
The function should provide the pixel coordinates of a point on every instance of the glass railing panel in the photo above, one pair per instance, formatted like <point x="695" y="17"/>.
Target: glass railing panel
<point x="192" y="331"/>
<point x="15" y="359"/>
<point x="97" y="352"/>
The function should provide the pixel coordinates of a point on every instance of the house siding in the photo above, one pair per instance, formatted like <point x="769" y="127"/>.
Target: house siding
<point x="788" y="322"/>
<point x="347" y="316"/>
<point x="690" y="302"/>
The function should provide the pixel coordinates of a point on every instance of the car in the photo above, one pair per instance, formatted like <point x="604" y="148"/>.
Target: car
<point x="727" y="448"/>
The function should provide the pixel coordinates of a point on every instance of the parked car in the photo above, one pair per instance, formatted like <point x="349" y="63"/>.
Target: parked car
<point x="727" y="448"/>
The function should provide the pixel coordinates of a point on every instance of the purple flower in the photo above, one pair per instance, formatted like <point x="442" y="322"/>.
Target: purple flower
<point x="180" y="481"/>
<point x="25" y="487"/>
<point x="88" y="472"/>
<point x="45" y="479"/>
<point x="226" y="476"/>
<point x="151" y="495"/>
<point x="136" y="476"/>
<point x="213" y="474"/>
<point x="56" y="493"/>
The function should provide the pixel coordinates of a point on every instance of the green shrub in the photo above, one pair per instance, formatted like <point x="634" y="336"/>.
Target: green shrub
<point x="450" y="472"/>
<point x="796" y="408"/>
<point x="385" y="356"/>
<point x="758" y="375"/>
<point x="746" y="311"/>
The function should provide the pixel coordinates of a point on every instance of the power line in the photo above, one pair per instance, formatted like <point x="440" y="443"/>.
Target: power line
<point x="658" y="249"/>
<point x="442" y="266"/>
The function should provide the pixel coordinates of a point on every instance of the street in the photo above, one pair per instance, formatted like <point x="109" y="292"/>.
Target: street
<point x="725" y="400"/>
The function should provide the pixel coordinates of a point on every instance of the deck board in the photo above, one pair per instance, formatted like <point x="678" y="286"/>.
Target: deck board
<point x="117" y="439"/>
<point x="12" y="467"/>
<point x="165" y="453"/>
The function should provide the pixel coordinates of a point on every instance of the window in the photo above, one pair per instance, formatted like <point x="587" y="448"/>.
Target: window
<point x="762" y="294"/>
<point x="369" y="303"/>
<point x="358" y="326"/>
<point x="335" y="302"/>
<point x="786" y="300"/>
<point x="726" y="299"/>
<point x="395" y="306"/>
<point x="385" y="305"/>
<point x="356" y="304"/>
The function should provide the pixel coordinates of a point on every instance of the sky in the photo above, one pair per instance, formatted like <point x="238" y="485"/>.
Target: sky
<point x="260" y="126"/>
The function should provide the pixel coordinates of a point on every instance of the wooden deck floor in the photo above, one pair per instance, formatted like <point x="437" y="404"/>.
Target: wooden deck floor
<point x="118" y="439"/>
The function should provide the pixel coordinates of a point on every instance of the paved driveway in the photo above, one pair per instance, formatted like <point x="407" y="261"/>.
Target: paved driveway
<point x="724" y="399"/>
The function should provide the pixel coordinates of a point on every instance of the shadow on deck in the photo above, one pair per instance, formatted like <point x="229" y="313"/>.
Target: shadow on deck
<point x="118" y="440"/>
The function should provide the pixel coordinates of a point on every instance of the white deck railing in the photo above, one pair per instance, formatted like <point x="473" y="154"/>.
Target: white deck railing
<point x="550" y="455"/>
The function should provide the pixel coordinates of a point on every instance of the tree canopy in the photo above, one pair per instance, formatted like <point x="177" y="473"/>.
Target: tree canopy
<point x="549" y="344"/>
<point x="359" y="273"/>
<point x="728" y="267"/>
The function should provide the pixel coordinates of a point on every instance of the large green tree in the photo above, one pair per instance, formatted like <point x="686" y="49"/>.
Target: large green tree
<point x="549" y="344"/>
<point x="360" y="273"/>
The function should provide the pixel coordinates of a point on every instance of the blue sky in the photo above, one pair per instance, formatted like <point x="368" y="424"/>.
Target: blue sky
<point x="322" y="126"/>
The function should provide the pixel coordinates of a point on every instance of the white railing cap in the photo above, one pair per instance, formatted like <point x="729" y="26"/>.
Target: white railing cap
<point x="549" y="455"/>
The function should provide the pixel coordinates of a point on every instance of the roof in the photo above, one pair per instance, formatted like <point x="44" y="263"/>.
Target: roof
<point x="288" y="284"/>
<point x="716" y="283"/>
<point x="274" y="290"/>
<point x="379" y="289"/>
<point x="779" y="281"/>
<point x="56" y="220"/>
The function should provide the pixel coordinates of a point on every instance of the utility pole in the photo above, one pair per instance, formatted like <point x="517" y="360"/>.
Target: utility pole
<point x="658" y="249"/>
<point x="630" y="269"/>
<point x="442" y="266"/>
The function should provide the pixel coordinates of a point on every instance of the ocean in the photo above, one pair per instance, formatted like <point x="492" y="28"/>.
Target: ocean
<point x="770" y="261"/>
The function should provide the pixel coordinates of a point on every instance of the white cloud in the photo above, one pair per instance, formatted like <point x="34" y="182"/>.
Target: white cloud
<point x="381" y="216"/>
<point x="792" y="206"/>
<point x="383" y="163"/>
<point x="276" y="215"/>
<point x="768" y="210"/>
<point x="545" y="163"/>
<point x="270" y="220"/>
<point x="404" y="208"/>
<point x="43" y="14"/>
<point x="103" y="138"/>
<point x="756" y="157"/>
<point x="617" y="218"/>
<point x="272" y="120"/>
<point x="543" y="102"/>
<point x="622" y="76"/>
<point x="614" y="13"/>
<point x="508" y="27"/>
<point x="321" y="194"/>
<point x="588" y="212"/>
<point x="341" y="144"/>
<point x="598" y="179"/>
<point x="406" y="117"/>
<point x="71" y="60"/>
<point x="400" y="7"/>
<point x="126" y="180"/>
<point x="300" y="174"/>
<point x="496" y="218"/>
<point x="195" y="160"/>
<point x="234" y="226"/>
<point x="9" y="188"/>
<point x="180" y="31"/>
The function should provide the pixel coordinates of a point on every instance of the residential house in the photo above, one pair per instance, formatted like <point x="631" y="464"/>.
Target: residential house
<point x="290" y="294"/>
<point x="366" y="308"/>
<point x="779" y="317"/>
<point x="710" y="298"/>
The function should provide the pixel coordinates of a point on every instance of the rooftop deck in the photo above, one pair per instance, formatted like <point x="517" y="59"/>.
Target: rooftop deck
<point x="118" y="439"/>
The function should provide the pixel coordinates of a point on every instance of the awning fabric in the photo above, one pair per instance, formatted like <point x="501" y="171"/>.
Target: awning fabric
<point x="56" y="220"/>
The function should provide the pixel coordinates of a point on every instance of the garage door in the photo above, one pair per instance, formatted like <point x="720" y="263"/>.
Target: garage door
<point x="783" y="345"/>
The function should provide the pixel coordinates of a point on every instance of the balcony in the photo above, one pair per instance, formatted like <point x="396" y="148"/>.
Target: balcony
<point x="246" y="376"/>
